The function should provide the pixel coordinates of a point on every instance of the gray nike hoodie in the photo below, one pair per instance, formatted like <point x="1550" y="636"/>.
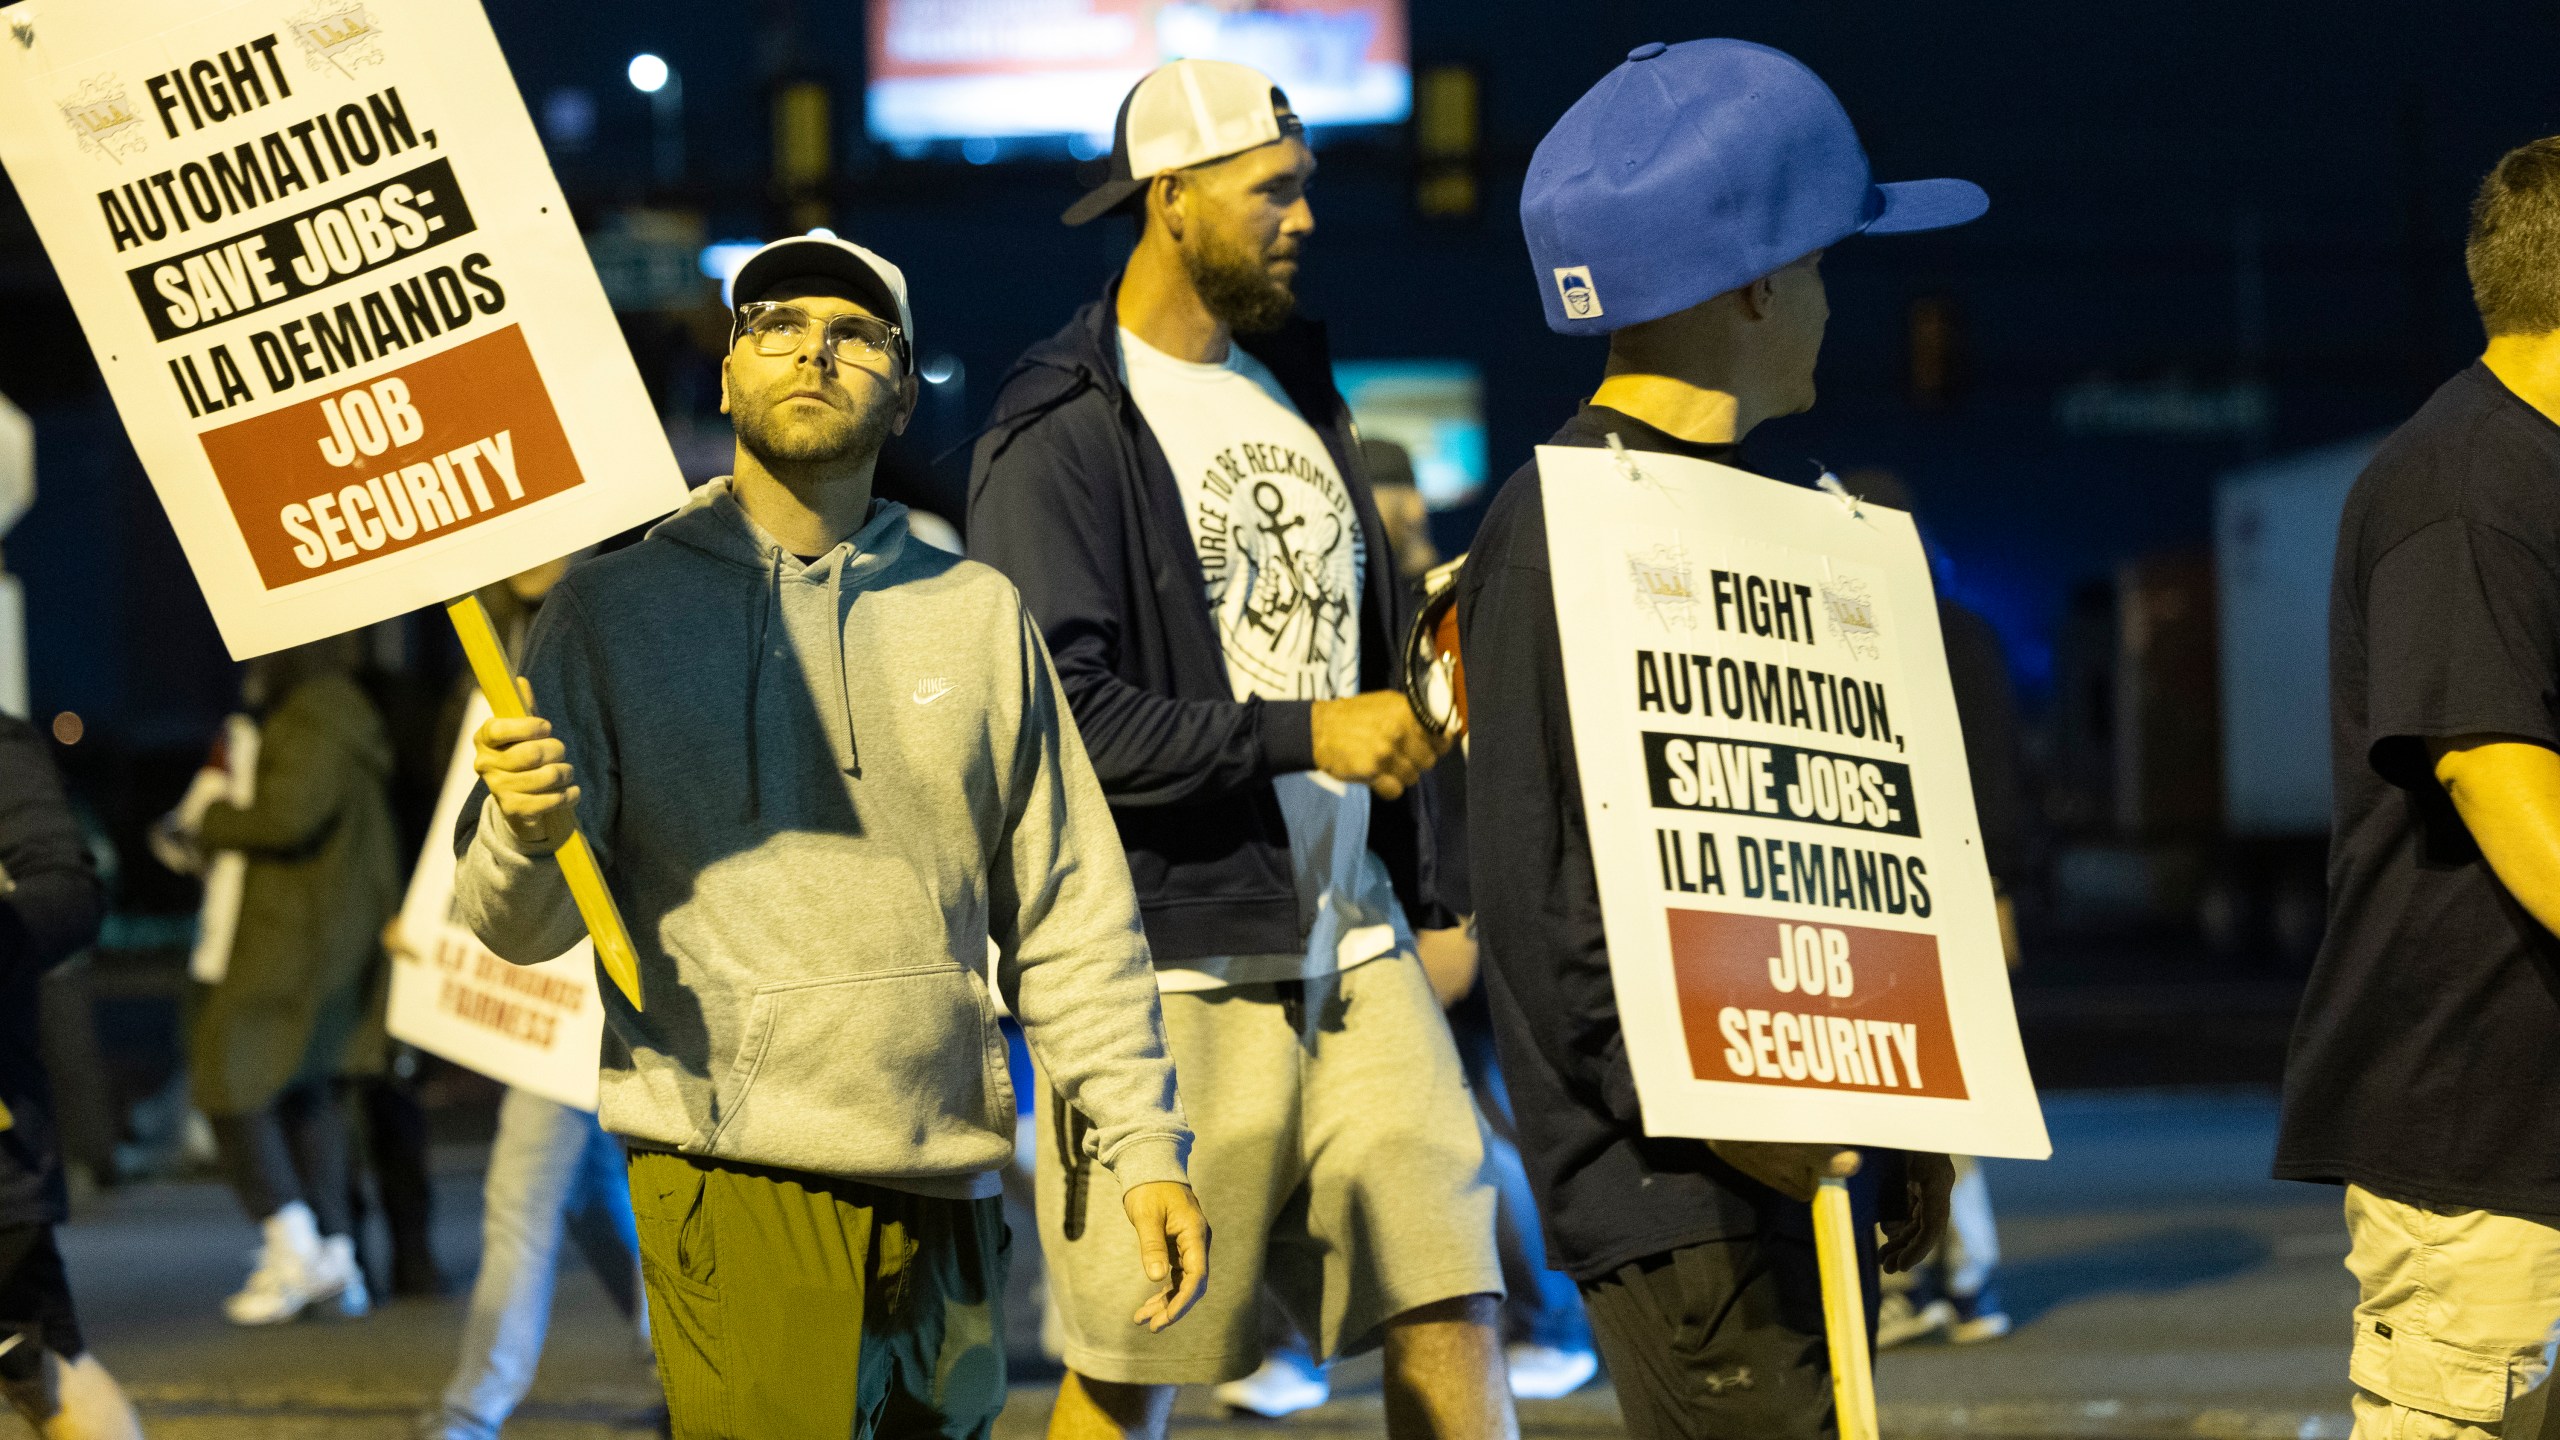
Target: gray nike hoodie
<point x="817" y="791"/>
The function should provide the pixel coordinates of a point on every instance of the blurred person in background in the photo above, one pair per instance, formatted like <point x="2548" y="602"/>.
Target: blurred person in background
<point x="1955" y="1291"/>
<point x="1548" y="1352"/>
<point x="269" y="1041"/>
<point x="378" y="1080"/>
<point x="1681" y="207"/>
<point x="554" y="1174"/>
<point x="2427" y="1054"/>
<point x="50" y="906"/>
<point x="1171" y="481"/>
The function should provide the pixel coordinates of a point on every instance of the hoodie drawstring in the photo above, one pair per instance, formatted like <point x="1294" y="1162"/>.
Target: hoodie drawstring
<point x="846" y="758"/>
<point x="768" y="596"/>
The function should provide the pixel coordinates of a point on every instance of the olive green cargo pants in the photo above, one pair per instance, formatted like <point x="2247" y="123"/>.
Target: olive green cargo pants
<point x="790" y="1306"/>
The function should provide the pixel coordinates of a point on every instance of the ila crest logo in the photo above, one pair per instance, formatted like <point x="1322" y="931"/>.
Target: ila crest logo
<point x="106" y="121"/>
<point x="1581" y="298"/>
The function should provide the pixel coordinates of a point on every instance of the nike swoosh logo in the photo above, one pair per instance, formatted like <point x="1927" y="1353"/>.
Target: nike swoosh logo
<point x="927" y="691"/>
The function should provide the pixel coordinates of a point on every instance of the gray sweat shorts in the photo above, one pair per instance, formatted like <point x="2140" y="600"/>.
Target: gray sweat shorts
<point x="1340" y="1160"/>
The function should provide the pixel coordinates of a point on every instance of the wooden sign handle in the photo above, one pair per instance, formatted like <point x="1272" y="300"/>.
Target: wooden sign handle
<point x="577" y="862"/>
<point x="1844" y="1311"/>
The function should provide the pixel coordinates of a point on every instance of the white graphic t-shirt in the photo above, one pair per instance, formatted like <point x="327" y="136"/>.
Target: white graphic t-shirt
<point x="1282" y="561"/>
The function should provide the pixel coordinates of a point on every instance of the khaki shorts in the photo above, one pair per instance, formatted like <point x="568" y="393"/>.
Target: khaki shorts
<point x="1340" y="1161"/>
<point x="2456" y="1311"/>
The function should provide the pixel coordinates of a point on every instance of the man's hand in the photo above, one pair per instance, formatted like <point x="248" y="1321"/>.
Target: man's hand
<point x="1449" y="961"/>
<point x="1173" y="1244"/>
<point x="1909" y="1243"/>
<point x="1374" y="740"/>
<point x="528" y="773"/>
<point x="1793" y="1170"/>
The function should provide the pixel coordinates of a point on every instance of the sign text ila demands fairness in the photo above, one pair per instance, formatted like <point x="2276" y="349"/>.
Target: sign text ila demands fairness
<point x="1801" y="927"/>
<point x="533" y="1027"/>
<point x="336" y="293"/>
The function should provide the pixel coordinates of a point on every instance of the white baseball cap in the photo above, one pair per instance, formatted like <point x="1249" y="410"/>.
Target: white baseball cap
<point x="873" y="280"/>
<point x="1186" y="113"/>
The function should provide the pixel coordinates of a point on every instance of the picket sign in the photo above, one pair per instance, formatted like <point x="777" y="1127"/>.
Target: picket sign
<point x="1802" y="932"/>
<point x="341" y="304"/>
<point x="534" y="1027"/>
<point x="226" y="872"/>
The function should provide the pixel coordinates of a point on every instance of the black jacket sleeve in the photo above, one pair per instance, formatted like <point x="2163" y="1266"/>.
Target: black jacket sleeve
<point x="1987" y="713"/>
<point x="55" y="908"/>
<point x="1049" y="505"/>
<point x="1536" y="893"/>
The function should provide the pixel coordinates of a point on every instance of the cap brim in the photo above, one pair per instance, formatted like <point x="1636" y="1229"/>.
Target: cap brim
<point x="1102" y="199"/>
<point x="1910" y="205"/>
<point x="816" y="258"/>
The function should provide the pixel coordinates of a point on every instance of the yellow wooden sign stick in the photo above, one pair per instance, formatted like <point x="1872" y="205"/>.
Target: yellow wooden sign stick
<point x="1844" y="1311"/>
<point x="577" y="862"/>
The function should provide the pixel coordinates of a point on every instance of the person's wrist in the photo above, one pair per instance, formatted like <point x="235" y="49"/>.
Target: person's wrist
<point x="1149" y="1160"/>
<point x="1287" y="732"/>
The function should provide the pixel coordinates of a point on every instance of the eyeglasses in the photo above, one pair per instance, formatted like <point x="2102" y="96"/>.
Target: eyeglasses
<point x="774" y="328"/>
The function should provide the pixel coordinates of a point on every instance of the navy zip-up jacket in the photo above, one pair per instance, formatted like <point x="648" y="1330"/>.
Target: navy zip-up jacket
<point x="1071" y="497"/>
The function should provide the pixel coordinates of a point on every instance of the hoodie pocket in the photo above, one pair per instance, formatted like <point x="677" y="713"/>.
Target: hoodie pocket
<point x="879" y="1074"/>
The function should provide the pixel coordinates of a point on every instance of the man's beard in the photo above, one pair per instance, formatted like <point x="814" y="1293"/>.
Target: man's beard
<point x="840" y="435"/>
<point x="1236" y="287"/>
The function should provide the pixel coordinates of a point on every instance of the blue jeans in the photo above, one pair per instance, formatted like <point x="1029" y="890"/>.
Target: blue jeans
<point x="553" y="1171"/>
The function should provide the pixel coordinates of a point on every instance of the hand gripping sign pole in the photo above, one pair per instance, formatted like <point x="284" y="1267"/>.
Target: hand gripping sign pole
<point x="342" y="306"/>
<point x="1802" y="934"/>
<point x="577" y="862"/>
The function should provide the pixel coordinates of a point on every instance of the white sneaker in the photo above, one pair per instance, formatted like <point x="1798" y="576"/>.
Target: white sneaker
<point x="1283" y="1386"/>
<point x="290" y="1272"/>
<point x="1543" y="1372"/>
<point x="1977" y="1317"/>
<point x="1899" y="1322"/>
<point x="340" y="1267"/>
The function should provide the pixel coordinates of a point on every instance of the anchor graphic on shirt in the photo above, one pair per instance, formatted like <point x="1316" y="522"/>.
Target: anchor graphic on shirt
<point x="1296" y="590"/>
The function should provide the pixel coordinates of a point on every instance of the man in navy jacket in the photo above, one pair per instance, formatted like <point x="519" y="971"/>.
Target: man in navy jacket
<point x="1173" y="482"/>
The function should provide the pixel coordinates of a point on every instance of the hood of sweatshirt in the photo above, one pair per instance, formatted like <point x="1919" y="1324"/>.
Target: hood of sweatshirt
<point x="803" y="602"/>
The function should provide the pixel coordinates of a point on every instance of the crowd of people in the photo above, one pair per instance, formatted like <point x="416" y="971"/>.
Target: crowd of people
<point x="1142" y="773"/>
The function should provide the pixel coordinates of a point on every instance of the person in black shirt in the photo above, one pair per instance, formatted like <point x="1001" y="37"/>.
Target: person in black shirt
<point x="50" y="907"/>
<point x="1681" y="208"/>
<point x="2425" y="1069"/>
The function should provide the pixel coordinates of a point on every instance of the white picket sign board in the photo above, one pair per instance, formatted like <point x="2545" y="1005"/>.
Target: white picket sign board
<point x="1802" y="933"/>
<point x="536" y="1027"/>
<point x="336" y="293"/>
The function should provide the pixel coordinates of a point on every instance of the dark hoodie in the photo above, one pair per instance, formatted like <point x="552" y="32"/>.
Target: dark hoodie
<point x="1071" y="497"/>
<point x="51" y="911"/>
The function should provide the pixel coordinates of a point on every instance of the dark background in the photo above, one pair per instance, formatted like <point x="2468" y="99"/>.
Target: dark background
<point x="2267" y="193"/>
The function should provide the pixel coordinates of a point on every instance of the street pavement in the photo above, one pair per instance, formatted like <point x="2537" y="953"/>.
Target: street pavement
<point x="2163" y="1287"/>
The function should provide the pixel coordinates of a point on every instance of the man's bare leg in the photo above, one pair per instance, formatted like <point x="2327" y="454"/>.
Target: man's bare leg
<point x="1445" y="1376"/>
<point x="1104" y="1410"/>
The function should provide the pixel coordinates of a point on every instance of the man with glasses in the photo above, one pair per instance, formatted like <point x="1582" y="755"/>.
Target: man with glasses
<point x="822" y="764"/>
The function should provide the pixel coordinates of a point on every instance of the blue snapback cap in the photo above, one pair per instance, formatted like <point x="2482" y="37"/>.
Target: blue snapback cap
<point x="1695" y="168"/>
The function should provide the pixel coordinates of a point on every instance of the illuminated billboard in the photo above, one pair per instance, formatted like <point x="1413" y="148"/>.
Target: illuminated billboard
<point x="999" y="72"/>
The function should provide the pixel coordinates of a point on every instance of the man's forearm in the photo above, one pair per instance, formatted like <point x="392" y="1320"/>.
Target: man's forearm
<point x="514" y="899"/>
<point x="2508" y="794"/>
